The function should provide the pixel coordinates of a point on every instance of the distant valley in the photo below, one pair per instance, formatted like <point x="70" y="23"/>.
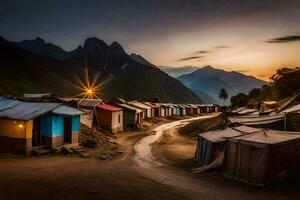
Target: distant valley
<point x="207" y="81"/>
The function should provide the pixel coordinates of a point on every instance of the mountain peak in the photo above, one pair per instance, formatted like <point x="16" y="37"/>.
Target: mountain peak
<point x="40" y="40"/>
<point x="94" y="42"/>
<point x="207" y="67"/>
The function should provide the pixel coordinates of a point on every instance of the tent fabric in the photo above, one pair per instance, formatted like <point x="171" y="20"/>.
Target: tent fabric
<point x="211" y="143"/>
<point x="252" y="120"/>
<point x="269" y="136"/>
<point x="246" y="129"/>
<point x="246" y="111"/>
<point x="263" y="157"/>
<point x="66" y="110"/>
<point x="295" y="108"/>
<point x="18" y="110"/>
<point x="221" y="135"/>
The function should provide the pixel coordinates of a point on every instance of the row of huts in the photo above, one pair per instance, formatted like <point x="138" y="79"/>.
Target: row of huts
<point x="118" y="114"/>
<point x="36" y="120"/>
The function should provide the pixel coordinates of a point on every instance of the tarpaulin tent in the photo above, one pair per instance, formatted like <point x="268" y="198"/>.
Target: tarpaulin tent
<point x="275" y="121"/>
<point x="211" y="143"/>
<point x="263" y="157"/>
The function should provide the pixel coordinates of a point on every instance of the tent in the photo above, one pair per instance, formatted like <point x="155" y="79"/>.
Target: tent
<point x="275" y="121"/>
<point x="263" y="157"/>
<point x="212" y="143"/>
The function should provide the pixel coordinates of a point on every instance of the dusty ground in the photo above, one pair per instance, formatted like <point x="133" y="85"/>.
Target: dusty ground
<point x="132" y="174"/>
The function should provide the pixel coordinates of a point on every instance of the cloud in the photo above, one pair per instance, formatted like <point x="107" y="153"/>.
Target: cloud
<point x="190" y="58"/>
<point x="203" y="52"/>
<point x="242" y="71"/>
<point x="285" y="39"/>
<point x="222" y="47"/>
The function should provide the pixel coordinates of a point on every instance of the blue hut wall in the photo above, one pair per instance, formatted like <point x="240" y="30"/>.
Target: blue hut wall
<point x="57" y="125"/>
<point x="46" y="125"/>
<point x="76" y="124"/>
<point x="52" y="125"/>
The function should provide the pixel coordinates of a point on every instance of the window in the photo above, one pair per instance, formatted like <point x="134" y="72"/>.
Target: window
<point x="119" y="118"/>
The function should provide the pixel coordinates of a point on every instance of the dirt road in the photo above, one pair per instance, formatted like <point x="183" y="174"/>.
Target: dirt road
<point x="138" y="174"/>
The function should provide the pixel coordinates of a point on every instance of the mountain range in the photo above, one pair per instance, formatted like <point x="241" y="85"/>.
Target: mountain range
<point x="34" y="66"/>
<point x="207" y="81"/>
<point x="178" y="71"/>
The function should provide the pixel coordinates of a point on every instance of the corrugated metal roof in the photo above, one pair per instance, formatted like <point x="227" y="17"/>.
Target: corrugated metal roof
<point x="14" y="109"/>
<point x="19" y="110"/>
<point x="130" y="107"/>
<point x="139" y="105"/>
<point x="108" y="107"/>
<point x="41" y="95"/>
<point x="66" y="110"/>
<point x="89" y="102"/>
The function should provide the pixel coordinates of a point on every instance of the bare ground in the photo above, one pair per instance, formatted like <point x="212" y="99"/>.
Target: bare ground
<point x="122" y="177"/>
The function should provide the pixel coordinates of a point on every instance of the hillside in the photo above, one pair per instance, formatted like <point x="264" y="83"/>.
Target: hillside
<point x="128" y="79"/>
<point x="26" y="71"/>
<point x="23" y="71"/>
<point x="207" y="82"/>
<point x="178" y="71"/>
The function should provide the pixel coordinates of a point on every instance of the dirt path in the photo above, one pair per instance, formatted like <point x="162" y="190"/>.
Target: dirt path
<point x="136" y="174"/>
<point x="157" y="155"/>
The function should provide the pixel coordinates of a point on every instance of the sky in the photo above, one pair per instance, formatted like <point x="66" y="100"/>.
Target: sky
<point x="254" y="37"/>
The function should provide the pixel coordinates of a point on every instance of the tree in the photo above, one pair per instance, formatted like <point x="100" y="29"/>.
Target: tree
<point x="239" y="100"/>
<point x="223" y="94"/>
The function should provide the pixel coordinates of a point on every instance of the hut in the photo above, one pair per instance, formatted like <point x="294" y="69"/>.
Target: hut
<point x="169" y="109"/>
<point x="132" y="116"/>
<point x="182" y="110"/>
<point x="146" y="109"/>
<point x="195" y="109"/>
<point x="176" y="110"/>
<point x="266" y="107"/>
<point x="24" y="125"/>
<point x="89" y="104"/>
<point x="109" y="117"/>
<point x="189" y="110"/>
<point x="262" y="158"/>
<point x="153" y="108"/>
<point x="162" y="109"/>
<point x="212" y="143"/>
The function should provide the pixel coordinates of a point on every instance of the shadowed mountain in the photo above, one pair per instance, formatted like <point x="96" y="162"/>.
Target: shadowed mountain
<point x="24" y="71"/>
<point x="40" y="47"/>
<point x="126" y="77"/>
<point x="207" y="82"/>
<point x="140" y="59"/>
<point x="178" y="71"/>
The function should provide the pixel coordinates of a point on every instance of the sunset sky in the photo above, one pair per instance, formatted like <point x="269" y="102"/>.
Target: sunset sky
<point x="251" y="36"/>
